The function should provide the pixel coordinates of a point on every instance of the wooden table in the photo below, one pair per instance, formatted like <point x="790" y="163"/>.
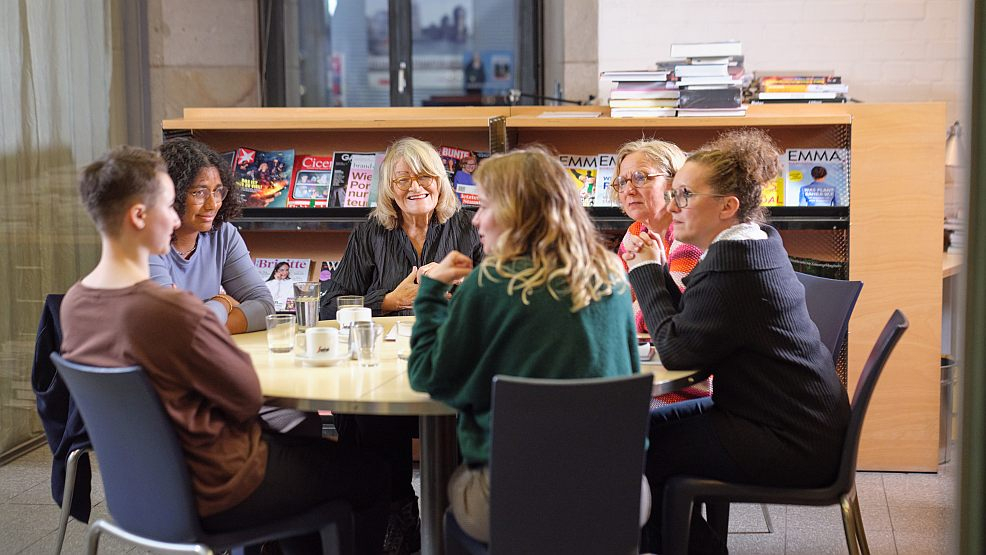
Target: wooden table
<point x="385" y="390"/>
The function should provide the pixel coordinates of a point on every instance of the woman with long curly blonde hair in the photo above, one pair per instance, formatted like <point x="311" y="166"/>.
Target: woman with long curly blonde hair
<point x="548" y="301"/>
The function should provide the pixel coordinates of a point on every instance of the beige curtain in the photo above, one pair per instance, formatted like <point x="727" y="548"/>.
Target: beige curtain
<point x="56" y="69"/>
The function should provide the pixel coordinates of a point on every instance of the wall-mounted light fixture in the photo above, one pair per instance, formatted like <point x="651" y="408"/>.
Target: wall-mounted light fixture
<point x="953" y="150"/>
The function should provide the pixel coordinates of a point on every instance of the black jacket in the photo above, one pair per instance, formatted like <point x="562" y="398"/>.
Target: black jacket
<point x="780" y="410"/>
<point x="61" y="419"/>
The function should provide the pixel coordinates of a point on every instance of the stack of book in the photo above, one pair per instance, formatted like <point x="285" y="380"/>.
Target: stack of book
<point x="957" y="237"/>
<point x="804" y="87"/>
<point x="709" y="78"/>
<point x="642" y="94"/>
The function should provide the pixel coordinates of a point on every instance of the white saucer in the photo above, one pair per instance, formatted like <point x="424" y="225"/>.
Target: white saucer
<point x="321" y="361"/>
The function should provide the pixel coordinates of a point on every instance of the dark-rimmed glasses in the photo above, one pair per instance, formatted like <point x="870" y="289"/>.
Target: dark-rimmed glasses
<point x="404" y="182"/>
<point x="198" y="196"/>
<point x="681" y="196"/>
<point x="639" y="179"/>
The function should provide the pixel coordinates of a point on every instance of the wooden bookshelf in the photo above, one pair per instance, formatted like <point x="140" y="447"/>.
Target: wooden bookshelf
<point x="894" y="225"/>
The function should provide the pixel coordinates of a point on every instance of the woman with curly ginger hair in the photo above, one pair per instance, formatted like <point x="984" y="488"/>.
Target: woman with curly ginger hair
<point x="778" y="413"/>
<point x="207" y="252"/>
<point x="546" y="275"/>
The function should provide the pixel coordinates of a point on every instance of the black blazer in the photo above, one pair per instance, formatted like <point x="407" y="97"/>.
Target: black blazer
<point x="59" y="416"/>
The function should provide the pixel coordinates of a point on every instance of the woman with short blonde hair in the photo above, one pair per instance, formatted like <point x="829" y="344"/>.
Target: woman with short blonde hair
<point x="421" y="159"/>
<point x="549" y="301"/>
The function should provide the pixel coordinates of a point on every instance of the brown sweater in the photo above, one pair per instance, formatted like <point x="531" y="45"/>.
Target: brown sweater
<point x="207" y="385"/>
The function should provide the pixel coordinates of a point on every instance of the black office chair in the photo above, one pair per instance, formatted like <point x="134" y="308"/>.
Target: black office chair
<point x="148" y="489"/>
<point x="830" y="304"/>
<point x="566" y="461"/>
<point x="681" y="492"/>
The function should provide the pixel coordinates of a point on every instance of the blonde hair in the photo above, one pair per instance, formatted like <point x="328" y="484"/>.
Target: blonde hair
<point x="533" y="200"/>
<point x="739" y="164"/>
<point x="422" y="158"/>
<point x="666" y="157"/>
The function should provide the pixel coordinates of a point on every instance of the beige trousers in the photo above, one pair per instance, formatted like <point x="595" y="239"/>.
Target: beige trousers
<point x="469" y="499"/>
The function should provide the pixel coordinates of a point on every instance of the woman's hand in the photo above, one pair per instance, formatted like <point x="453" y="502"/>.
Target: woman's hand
<point x="423" y="271"/>
<point x="402" y="297"/>
<point x="646" y="247"/>
<point x="452" y="269"/>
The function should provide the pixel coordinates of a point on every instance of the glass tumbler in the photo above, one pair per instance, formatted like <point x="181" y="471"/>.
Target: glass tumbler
<point x="306" y="303"/>
<point x="404" y="339"/>
<point x="280" y="333"/>
<point x="366" y="340"/>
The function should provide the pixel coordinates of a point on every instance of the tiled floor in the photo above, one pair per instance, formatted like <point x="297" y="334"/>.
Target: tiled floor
<point x="902" y="513"/>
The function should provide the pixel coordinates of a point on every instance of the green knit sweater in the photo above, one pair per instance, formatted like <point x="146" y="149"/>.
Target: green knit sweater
<point x="459" y="345"/>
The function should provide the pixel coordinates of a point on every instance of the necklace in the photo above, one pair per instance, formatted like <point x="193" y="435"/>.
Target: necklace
<point x="187" y="253"/>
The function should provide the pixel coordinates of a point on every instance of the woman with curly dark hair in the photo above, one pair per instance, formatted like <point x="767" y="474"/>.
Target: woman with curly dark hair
<point x="778" y="413"/>
<point x="207" y="252"/>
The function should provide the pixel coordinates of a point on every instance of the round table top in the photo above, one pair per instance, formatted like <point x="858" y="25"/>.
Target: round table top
<point x="347" y="387"/>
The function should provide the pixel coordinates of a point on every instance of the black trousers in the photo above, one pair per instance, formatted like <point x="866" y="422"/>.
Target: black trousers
<point x="683" y="441"/>
<point x="304" y="472"/>
<point x="388" y="437"/>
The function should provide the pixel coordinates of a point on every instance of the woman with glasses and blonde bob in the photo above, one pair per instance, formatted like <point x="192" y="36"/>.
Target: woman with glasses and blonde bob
<point x="549" y="301"/>
<point x="208" y="255"/>
<point x="645" y="169"/>
<point x="778" y="413"/>
<point x="416" y="223"/>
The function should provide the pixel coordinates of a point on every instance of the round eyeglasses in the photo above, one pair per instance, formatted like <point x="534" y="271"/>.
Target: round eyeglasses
<point x="198" y="196"/>
<point x="681" y="196"/>
<point x="639" y="179"/>
<point x="404" y="183"/>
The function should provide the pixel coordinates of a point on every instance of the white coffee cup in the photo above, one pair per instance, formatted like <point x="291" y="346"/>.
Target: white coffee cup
<point x="348" y="315"/>
<point x="321" y="342"/>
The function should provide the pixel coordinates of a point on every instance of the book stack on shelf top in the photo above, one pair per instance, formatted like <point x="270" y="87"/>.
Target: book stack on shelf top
<point x="811" y="87"/>
<point x="642" y="94"/>
<point x="709" y="76"/>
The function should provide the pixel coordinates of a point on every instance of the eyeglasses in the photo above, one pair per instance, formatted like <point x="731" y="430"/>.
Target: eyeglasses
<point x="681" y="196"/>
<point x="404" y="183"/>
<point x="198" y="196"/>
<point x="638" y="178"/>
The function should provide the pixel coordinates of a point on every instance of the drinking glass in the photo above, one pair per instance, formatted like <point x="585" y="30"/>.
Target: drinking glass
<point x="306" y="303"/>
<point x="366" y="336"/>
<point x="280" y="333"/>
<point x="404" y="339"/>
<point x="349" y="300"/>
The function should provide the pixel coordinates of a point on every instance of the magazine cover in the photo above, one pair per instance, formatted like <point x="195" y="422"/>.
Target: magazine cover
<point x="583" y="170"/>
<point x="773" y="190"/>
<point x="311" y="182"/>
<point x="341" y="164"/>
<point x="229" y="157"/>
<point x="263" y="176"/>
<point x="375" y="182"/>
<point x="606" y="169"/>
<point x="279" y="275"/>
<point x="361" y="169"/>
<point x="816" y="177"/>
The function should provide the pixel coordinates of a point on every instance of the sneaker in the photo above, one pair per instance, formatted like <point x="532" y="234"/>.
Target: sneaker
<point x="403" y="528"/>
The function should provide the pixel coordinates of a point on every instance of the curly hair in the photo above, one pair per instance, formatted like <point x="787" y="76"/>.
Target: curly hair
<point x="119" y="177"/>
<point x="185" y="159"/>
<point x="739" y="164"/>
<point x="533" y="200"/>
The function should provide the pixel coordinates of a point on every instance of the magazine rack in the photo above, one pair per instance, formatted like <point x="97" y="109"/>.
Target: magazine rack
<point x="890" y="236"/>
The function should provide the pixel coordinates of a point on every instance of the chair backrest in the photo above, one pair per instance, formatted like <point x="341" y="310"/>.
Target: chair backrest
<point x="885" y="344"/>
<point x="830" y="303"/>
<point x="148" y="489"/>
<point x="566" y="463"/>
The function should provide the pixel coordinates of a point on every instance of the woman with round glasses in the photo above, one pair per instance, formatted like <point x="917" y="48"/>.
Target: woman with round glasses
<point x="644" y="171"/>
<point x="207" y="253"/>
<point x="416" y="223"/>
<point x="778" y="414"/>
